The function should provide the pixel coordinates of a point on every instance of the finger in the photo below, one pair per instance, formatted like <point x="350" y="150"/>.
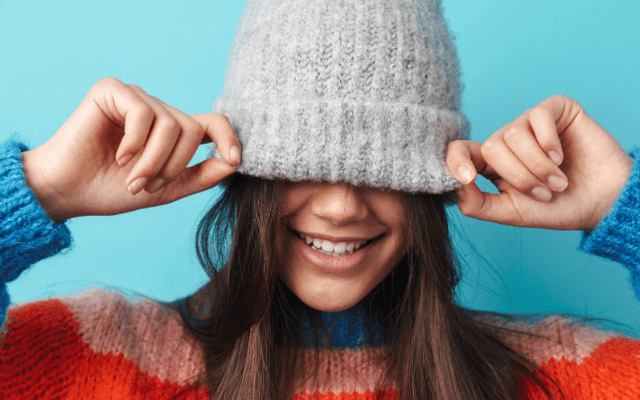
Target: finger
<point x="552" y="117"/>
<point x="465" y="155"/>
<point x="543" y="122"/>
<point x="159" y="143"/>
<point x="185" y="147"/>
<point x="496" y="152"/>
<point x="126" y="109"/>
<point x="526" y="147"/>
<point x="219" y="129"/>
<point x="197" y="178"/>
<point x="498" y="208"/>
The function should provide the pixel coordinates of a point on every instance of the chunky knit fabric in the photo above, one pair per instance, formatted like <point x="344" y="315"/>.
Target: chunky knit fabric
<point x="101" y="344"/>
<point x="360" y="91"/>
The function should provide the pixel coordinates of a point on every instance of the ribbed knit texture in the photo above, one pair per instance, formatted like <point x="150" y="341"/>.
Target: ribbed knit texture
<point x="100" y="344"/>
<point x="360" y="91"/>
<point x="27" y="235"/>
<point x="620" y="226"/>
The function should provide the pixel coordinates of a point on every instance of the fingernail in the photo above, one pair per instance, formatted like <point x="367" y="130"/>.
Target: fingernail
<point x="555" y="157"/>
<point x="124" y="160"/>
<point x="465" y="174"/>
<point x="460" y="193"/>
<point x="541" y="193"/>
<point x="234" y="153"/>
<point x="155" y="184"/>
<point x="137" y="185"/>
<point x="557" y="183"/>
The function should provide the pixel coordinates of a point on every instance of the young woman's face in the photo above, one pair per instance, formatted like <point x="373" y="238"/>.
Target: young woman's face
<point x="338" y="218"/>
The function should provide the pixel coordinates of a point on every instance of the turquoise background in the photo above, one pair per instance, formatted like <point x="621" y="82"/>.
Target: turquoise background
<point x="514" y="54"/>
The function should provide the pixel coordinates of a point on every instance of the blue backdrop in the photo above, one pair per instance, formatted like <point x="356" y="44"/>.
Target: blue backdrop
<point x="514" y="54"/>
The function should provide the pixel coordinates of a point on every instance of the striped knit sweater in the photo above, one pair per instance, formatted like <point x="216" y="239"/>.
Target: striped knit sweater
<point x="101" y="344"/>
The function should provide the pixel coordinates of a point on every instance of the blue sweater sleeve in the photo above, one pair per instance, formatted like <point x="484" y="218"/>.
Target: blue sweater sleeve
<point x="27" y="235"/>
<point x="618" y="235"/>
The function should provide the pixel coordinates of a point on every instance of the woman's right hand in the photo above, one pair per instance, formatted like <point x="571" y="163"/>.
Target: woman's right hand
<point x="76" y="173"/>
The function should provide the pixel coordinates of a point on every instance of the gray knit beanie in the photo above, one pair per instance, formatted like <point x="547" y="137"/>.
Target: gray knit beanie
<point x="365" y="92"/>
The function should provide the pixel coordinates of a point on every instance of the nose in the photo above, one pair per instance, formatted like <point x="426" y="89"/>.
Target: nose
<point x="338" y="203"/>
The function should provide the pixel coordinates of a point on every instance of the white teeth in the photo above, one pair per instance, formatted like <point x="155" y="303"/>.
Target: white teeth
<point x="327" y="247"/>
<point x="348" y="253"/>
<point x="340" y="247"/>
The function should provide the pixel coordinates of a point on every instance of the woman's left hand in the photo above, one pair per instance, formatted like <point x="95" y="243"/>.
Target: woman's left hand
<point x="517" y="159"/>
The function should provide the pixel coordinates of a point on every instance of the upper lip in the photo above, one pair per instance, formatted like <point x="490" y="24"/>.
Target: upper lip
<point x="336" y="239"/>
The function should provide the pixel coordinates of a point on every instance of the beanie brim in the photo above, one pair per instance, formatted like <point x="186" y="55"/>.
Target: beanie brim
<point x="280" y="139"/>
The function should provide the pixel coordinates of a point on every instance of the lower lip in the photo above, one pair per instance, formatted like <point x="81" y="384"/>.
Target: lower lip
<point x="331" y="264"/>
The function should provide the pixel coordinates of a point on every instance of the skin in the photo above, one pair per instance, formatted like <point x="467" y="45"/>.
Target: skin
<point x="339" y="210"/>
<point x="77" y="173"/>
<point x="518" y="158"/>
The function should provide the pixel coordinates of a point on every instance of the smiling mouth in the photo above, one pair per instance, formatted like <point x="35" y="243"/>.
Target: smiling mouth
<point x="331" y="249"/>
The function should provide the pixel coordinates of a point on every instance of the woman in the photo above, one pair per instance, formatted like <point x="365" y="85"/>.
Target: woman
<point x="340" y="280"/>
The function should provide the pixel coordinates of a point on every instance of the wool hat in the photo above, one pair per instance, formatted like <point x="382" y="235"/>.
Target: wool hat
<point x="365" y="92"/>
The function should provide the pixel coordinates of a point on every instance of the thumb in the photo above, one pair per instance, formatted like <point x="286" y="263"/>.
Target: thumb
<point x="499" y="208"/>
<point x="197" y="178"/>
<point x="472" y="201"/>
<point x="464" y="160"/>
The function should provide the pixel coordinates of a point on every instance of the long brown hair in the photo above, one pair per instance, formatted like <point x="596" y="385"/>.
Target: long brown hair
<point x="436" y="350"/>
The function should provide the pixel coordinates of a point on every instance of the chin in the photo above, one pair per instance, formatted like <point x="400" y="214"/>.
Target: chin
<point x="328" y="301"/>
<point x="329" y="306"/>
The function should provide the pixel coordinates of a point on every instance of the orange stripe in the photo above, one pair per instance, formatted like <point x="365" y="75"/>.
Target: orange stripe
<point x="43" y="344"/>
<point x="105" y="375"/>
<point x="40" y="348"/>
<point x="611" y="372"/>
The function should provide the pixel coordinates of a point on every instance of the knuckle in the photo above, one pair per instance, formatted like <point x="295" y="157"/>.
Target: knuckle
<point x="559" y="97"/>
<point x="511" y="133"/>
<point x="220" y="121"/>
<point x="171" y="124"/>
<point x="451" y="150"/>
<point x="108" y="81"/>
<point x="194" y="129"/>
<point x="539" y="167"/>
<point x="105" y="85"/>
<point x="145" y="111"/>
<point x="488" y="148"/>
<point x="541" y="112"/>
<point x="455" y="145"/>
<point x="199" y="130"/>
<point x="523" y="183"/>
<point x="537" y="111"/>
<point x="135" y="88"/>
<point x="220" y="118"/>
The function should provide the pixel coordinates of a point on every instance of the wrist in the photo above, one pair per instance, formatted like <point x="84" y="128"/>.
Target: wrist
<point x="47" y="197"/>
<point x="618" y="183"/>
